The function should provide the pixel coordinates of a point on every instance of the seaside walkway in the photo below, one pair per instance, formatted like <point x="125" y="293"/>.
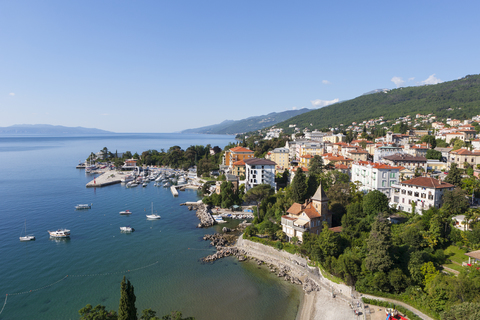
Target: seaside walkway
<point x="301" y="268"/>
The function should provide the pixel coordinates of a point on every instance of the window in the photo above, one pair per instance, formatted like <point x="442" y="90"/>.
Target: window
<point x="409" y="193"/>
<point x="416" y="194"/>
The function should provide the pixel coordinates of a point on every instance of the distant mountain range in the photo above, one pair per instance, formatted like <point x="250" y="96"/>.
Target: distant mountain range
<point x="48" y="129"/>
<point x="248" y="124"/>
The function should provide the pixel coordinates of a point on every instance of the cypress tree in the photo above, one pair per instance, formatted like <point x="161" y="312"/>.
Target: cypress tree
<point x="126" y="309"/>
<point x="299" y="186"/>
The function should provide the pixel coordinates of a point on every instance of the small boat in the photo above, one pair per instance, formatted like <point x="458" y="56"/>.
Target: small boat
<point x="83" y="206"/>
<point x="126" y="212"/>
<point x="144" y="184"/>
<point x="127" y="229"/>
<point x="60" y="233"/>
<point x="218" y="219"/>
<point x="153" y="216"/>
<point x="27" y="237"/>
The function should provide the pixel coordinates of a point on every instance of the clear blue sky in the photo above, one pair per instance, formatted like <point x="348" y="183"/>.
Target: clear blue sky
<point x="164" y="66"/>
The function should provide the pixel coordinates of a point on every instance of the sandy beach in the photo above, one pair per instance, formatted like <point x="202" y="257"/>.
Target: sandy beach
<point x="332" y="301"/>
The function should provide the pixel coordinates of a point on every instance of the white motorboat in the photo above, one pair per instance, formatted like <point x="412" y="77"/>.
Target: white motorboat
<point x="60" y="233"/>
<point x="153" y="216"/>
<point x="144" y="184"/>
<point x="83" y="206"/>
<point x="127" y="229"/>
<point x="27" y="237"/>
<point x="218" y="219"/>
<point x="126" y="212"/>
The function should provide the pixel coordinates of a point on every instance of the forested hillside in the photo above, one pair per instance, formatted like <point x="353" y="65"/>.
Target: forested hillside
<point x="463" y="96"/>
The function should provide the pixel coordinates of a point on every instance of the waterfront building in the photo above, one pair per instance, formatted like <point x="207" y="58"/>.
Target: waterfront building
<point x="309" y="216"/>
<point x="424" y="192"/>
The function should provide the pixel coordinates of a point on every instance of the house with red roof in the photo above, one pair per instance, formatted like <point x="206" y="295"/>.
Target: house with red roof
<point x="423" y="192"/>
<point x="462" y="156"/>
<point x="307" y="217"/>
<point x="236" y="154"/>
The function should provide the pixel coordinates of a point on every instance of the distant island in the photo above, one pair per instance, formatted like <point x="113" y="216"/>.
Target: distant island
<point x="49" y="129"/>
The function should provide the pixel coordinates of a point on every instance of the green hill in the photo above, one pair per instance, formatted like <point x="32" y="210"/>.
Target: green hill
<point x="248" y="124"/>
<point x="463" y="96"/>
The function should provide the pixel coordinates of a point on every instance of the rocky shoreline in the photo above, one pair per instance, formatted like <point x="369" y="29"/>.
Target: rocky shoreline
<point x="222" y="241"/>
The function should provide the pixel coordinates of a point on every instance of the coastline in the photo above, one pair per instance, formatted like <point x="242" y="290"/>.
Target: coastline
<point x="332" y="301"/>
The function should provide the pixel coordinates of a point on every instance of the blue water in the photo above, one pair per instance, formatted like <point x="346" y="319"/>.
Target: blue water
<point x="39" y="184"/>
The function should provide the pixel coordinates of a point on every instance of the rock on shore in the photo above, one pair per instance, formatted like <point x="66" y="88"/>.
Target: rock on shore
<point x="206" y="219"/>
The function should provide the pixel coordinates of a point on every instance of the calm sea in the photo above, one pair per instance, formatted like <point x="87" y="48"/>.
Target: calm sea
<point x="40" y="185"/>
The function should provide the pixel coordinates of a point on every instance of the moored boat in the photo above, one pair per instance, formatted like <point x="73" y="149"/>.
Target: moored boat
<point x="126" y="212"/>
<point x="153" y="216"/>
<point x="83" y="206"/>
<point x="127" y="229"/>
<point x="60" y="233"/>
<point x="27" y="237"/>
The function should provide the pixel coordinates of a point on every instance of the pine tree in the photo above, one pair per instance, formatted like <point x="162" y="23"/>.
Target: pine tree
<point x="379" y="245"/>
<point x="299" y="186"/>
<point x="127" y="310"/>
<point x="454" y="176"/>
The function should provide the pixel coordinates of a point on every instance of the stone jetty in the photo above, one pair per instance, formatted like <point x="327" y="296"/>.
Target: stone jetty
<point x="107" y="178"/>
<point x="203" y="214"/>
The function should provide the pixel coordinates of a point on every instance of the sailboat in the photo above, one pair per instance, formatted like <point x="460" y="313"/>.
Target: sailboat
<point x="28" y="237"/>
<point x="153" y="216"/>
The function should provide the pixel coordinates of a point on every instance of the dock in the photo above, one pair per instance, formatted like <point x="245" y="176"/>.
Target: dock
<point x="174" y="191"/>
<point x="106" y="179"/>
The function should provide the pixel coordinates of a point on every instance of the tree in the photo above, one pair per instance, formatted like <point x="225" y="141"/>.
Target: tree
<point x="176" y="315"/>
<point x="149" y="314"/>
<point x="312" y="185"/>
<point x="463" y="311"/>
<point x="455" y="201"/>
<point x="430" y="140"/>
<point x="379" y="244"/>
<point x="299" y="186"/>
<point x="454" y="176"/>
<point x="434" y="154"/>
<point x="375" y="202"/>
<point x="316" y="165"/>
<point x="127" y="309"/>
<point x="257" y="194"/>
<point x="97" y="313"/>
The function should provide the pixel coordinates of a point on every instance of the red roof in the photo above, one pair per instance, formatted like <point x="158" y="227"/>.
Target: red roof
<point x="376" y="165"/>
<point x="239" y="163"/>
<point x="241" y="149"/>
<point x="341" y="166"/>
<point x="462" y="151"/>
<point x="307" y="156"/>
<point x="428" y="182"/>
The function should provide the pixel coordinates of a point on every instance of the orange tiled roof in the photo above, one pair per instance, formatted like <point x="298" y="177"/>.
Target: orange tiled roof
<point x="341" y="166"/>
<point x="462" y="151"/>
<point x="239" y="163"/>
<point x="307" y="156"/>
<point x="240" y="149"/>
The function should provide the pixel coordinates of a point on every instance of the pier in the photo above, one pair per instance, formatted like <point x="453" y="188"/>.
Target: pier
<point x="107" y="178"/>
<point x="174" y="191"/>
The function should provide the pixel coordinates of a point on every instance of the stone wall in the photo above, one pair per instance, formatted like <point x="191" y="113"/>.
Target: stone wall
<point x="298" y="265"/>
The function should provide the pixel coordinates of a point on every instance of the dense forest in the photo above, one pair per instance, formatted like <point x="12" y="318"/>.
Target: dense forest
<point x="461" y="96"/>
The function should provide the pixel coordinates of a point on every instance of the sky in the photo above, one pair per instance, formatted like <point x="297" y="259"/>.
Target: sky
<point x="166" y="66"/>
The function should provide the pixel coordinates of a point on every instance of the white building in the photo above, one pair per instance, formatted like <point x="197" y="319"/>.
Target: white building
<point x="385" y="151"/>
<point x="425" y="192"/>
<point x="375" y="176"/>
<point x="259" y="171"/>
